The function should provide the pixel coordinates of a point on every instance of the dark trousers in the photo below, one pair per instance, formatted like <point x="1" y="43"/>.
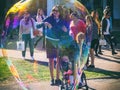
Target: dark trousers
<point x="27" y="39"/>
<point x="109" y="40"/>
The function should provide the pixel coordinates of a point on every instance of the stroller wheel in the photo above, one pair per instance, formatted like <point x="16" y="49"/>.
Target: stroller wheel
<point x="61" y="87"/>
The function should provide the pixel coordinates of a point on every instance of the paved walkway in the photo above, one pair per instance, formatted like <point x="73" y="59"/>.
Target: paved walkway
<point x="104" y="62"/>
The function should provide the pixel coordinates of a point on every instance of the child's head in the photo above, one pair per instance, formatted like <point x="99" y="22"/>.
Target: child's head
<point x="65" y="58"/>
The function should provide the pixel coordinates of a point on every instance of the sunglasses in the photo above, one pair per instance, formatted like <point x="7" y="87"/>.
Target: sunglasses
<point x="55" y="10"/>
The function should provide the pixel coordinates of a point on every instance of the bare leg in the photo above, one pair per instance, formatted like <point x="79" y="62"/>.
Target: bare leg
<point x="92" y="56"/>
<point x="51" y="67"/>
<point x="57" y="69"/>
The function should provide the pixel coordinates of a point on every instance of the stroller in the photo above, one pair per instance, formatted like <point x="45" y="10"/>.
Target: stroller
<point x="66" y="67"/>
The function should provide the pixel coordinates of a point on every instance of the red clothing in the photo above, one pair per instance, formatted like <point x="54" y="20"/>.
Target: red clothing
<point x="79" y="27"/>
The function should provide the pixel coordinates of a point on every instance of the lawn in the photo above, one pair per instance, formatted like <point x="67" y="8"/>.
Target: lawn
<point x="4" y="71"/>
<point x="39" y="71"/>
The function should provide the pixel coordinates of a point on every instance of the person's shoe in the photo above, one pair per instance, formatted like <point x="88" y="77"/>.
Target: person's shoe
<point x="96" y="55"/>
<point x="32" y="58"/>
<point x="91" y="66"/>
<point x="57" y="82"/>
<point x="114" y="53"/>
<point x="52" y="82"/>
<point x="100" y="53"/>
<point x="23" y="58"/>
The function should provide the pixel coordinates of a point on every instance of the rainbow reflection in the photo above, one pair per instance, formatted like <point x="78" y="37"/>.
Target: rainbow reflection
<point x="15" y="14"/>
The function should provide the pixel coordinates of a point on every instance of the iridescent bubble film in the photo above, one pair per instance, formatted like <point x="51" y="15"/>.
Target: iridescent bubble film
<point x="15" y="14"/>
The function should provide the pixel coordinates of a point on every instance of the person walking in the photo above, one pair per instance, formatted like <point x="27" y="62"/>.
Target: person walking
<point x="106" y="29"/>
<point x="26" y="33"/>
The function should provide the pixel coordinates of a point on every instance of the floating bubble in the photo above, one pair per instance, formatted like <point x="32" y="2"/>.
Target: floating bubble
<point x="15" y="14"/>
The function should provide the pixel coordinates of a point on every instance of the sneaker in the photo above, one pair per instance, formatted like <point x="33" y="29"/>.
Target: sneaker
<point x="114" y="53"/>
<point x="52" y="82"/>
<point x="58" y="82"/>
<point x="96" y="55"/>
<point x="23" y="58"/>
<point x="91" y="66"/>
<point x="32" y="57"/>
<point x="100" y="53"/>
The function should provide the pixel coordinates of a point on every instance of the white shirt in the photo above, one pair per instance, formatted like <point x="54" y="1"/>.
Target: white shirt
<point x="108" y="27"/>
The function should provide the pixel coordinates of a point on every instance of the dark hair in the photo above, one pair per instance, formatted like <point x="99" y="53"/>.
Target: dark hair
<point x="107" y="12"/>
<point x="75" y="14"/>
<point x="93" y="14"/>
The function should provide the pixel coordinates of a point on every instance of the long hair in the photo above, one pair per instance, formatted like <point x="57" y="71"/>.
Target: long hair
<point x="88" y="17"/>
<point x="60" y="10"/>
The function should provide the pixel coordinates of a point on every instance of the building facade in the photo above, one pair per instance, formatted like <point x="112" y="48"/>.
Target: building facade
<point x="101" y="4"/>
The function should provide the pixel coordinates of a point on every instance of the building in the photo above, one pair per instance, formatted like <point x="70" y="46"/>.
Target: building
<point x="100" y="5"/>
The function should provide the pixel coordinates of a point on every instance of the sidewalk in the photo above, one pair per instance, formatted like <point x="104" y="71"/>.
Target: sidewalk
<point x="104" y="62"/>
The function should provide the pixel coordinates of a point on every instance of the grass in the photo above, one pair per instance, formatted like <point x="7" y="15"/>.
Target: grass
<point x="30" y="71"/>
<point x="4" y="71"/>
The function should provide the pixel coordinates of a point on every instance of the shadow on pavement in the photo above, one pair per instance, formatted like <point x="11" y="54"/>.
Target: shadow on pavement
<point x="109" y="74"/>
<point x="108" y="59"/>
<point x="38" y="62"/>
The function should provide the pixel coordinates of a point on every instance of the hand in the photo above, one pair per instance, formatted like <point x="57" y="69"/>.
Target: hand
<point x="64" y="29"/>
<point x="48" y="25"/>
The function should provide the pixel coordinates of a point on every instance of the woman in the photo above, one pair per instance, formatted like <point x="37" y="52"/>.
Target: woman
<point x="57" y="25"/>
<point x="77" y="31"/>
<point x="88" y="34"/>
<point x="76" y="25"/>
<point x="25" y="32"/>
<point x="106" y="29"/>
<point x="95" y="38"/>
<point x="39" y="18"/>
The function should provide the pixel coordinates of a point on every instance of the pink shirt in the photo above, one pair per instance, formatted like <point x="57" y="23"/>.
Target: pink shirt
<point x="79" y="27"/>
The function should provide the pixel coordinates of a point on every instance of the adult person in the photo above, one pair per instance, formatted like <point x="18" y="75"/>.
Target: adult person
<point x="76" y="25"/>
<point x="25" y="32"/>
<point x="77" y="31"/>
<point x="95" y="37"/>
<point x="56" y="24"/>
<point x="106" y="29"/>
<point x="88" y="34"/>
<point x="39" y="18"/>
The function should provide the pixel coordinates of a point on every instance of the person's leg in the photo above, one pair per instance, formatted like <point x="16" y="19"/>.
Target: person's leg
<point x="96" y="46"/>
<point x="31" y="46"/>
<point x="25" y="39"/>
<point x="58" y="69"/>
<point x="57" y="81"/>
<point x="108" y="39"/>
<point x="100" y="52"/>
<point x="92" y="56"/>
<point x="51" y="67"/>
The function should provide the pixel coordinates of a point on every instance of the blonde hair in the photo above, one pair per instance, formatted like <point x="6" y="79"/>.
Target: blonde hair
<point x="79" y="36"/>
<point x="88" y="19"/>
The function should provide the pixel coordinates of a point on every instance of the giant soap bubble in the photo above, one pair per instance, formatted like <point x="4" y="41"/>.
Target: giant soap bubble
<point x="15" y="14"/>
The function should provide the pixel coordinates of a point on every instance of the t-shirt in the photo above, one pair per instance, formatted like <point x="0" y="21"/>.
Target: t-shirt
<point x="75" y="29"/>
